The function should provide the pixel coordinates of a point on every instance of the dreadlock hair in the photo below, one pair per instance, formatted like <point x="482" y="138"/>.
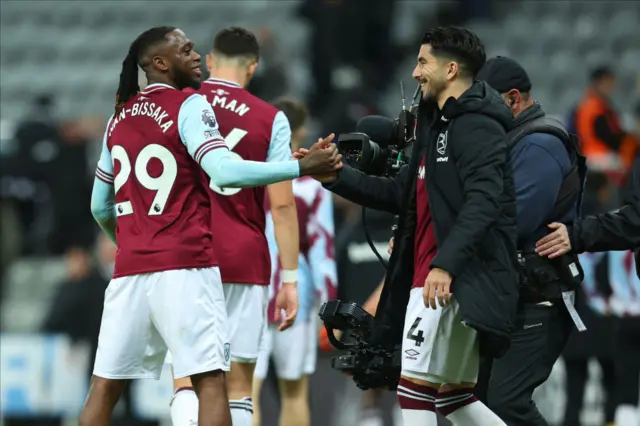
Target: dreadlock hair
<point x="128" y="86"/>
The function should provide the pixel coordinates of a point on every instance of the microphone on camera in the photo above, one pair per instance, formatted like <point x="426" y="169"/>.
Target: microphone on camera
<point x="407" y="118"/>
<point x="379" y="129"/>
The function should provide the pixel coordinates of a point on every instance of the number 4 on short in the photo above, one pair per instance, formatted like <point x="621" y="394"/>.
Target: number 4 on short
<point x="418" y="337"/>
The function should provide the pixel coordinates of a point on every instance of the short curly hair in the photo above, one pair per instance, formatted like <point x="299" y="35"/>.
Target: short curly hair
<point x="237" y="42"/>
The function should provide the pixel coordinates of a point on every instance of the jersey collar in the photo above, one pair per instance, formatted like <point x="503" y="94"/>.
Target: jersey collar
<point x="155" y="87"/>
<point x="223" y="82"/>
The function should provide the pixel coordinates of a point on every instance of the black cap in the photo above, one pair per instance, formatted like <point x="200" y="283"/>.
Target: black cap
<point x="504" y="74"/>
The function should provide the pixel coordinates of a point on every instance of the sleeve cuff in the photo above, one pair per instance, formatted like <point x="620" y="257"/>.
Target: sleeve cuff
<point x="439" y="263"/>
<point x="104" y="176"/>
<point x="343" y="176"/>
<point x="207" y="147"/>
<point x="575" y="246"/>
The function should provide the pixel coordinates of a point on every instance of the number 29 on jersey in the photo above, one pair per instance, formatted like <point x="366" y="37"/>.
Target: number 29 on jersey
<point x="161" y="185"/>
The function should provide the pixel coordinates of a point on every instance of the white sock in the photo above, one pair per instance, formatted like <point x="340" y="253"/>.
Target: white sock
<point x="184" y="408"/>
<point x="417" y="403"/>
<point x="241" y="412"/>
<point x="627" y="415"/>
<point x="462" y="407"/>
<point x="473" y="414"/>
<point x="419" y="417"/>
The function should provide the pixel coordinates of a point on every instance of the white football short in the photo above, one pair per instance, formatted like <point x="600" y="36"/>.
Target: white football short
<point x="437" y="347"/>
<point x="144" y="315"/>
<point x="294" y="351"/>
<point x="247" y="311"/>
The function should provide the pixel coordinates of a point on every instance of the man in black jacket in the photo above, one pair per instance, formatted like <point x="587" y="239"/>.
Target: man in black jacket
<point x="451" y="289"/>
<point x="619" y="230"/>
<point x="540" y="163"/>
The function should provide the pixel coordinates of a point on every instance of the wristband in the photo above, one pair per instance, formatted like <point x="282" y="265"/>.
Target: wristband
<point x="289" y="275"/>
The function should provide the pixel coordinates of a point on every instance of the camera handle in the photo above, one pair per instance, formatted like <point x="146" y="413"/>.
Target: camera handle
<point x="332" y="339"/>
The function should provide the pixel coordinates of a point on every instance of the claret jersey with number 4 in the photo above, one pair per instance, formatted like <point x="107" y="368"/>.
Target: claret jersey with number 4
<point x="151" y="152"/>
<point x="253" y="130"/>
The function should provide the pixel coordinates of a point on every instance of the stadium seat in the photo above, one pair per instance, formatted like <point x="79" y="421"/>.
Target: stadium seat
<point x="40" y="38"/>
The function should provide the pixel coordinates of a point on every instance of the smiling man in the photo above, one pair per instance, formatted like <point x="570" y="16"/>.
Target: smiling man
<point x="451" y="289"/>
<point x="166" y="291"/>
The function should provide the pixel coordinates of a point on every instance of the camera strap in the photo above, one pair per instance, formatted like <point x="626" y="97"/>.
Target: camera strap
<point x="569" y="299"/>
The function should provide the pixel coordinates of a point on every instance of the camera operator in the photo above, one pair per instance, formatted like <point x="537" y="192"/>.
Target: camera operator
<point x="546" y="190"/>
<point x="452" y="286"/>
<point x="612" y="231"/>
<point x="609" y="231"/>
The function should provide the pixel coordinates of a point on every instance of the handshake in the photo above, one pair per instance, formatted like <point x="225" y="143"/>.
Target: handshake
<point x="322" y="161"/>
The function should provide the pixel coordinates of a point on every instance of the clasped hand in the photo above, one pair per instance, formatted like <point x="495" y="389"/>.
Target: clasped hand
<point x="327" y="148"/>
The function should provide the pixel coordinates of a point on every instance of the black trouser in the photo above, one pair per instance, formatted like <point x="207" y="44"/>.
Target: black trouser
<point x="506" y="384"/>
<point x="577" y="375"/>
<point x="627" y="360"/>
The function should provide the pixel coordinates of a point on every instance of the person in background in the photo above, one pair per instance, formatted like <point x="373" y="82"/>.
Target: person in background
<point x="294" y="350"/>
<point x="76" y="307"/>
<point x="625" y="305"/>
<point x="270" y="81"/>
<point x="636" y="117"/>
<point x="604" y="142"/>
<point x="348" y="40"/>
<point x="253" y="130"/>
<point x="541" y="163"/>
<point x="597" y="342"/>
<point x="28" y="173"/>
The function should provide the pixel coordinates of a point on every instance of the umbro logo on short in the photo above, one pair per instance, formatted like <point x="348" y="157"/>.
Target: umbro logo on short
<point x="411" y="353"/>
<point x="227" y="351"/>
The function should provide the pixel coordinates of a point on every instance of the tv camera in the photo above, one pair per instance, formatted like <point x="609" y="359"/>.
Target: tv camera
<point x="380" y="146"/>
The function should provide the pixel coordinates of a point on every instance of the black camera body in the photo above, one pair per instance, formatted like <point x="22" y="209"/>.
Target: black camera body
<point x="551" y="277"/>
<point x="361" y="153"/>
<point x="371" y="365"/>
<point x="380" y="146"/>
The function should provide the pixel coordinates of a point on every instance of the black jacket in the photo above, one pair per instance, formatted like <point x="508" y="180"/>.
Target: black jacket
<point x="472" y="203"/>
<point x="612" y="231"/>
<point x="77" y="310"/>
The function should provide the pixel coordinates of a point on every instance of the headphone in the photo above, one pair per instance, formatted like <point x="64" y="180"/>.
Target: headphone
<point x="512" y="100"/>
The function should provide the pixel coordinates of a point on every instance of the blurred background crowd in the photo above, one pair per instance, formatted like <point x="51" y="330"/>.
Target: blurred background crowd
<point x="59" y="66"/>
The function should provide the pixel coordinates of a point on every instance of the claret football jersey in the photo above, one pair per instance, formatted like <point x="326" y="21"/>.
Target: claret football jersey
<point x="151" y="151"/>
<point x="253" y="130"/>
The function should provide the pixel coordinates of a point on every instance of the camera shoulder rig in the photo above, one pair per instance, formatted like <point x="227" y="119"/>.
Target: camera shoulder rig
<point x="371" y="366"/>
